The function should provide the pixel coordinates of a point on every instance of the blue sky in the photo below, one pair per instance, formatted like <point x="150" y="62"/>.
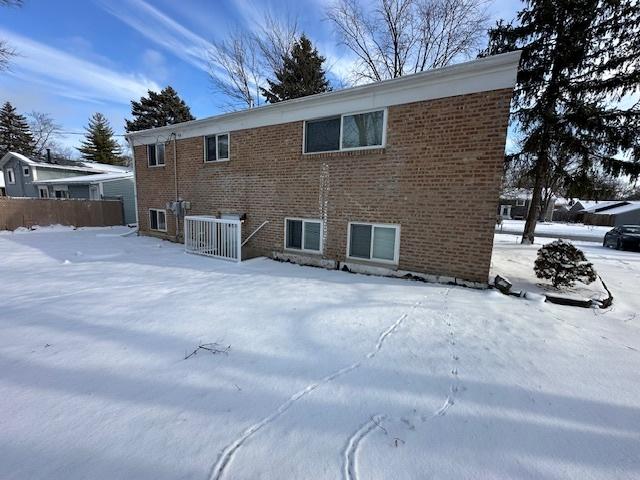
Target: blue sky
<point x="80" y="57"/>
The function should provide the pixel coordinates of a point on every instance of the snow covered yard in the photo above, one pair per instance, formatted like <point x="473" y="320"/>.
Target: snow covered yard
<point x="330" y="375"/>
<point x="577" y="231"/>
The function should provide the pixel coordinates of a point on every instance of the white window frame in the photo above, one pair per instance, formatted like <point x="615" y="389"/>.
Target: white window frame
<point x="302" y="249"/>
<point x="350" y="149"/>
<point x="11" y="176"/>
<point x="60" y="188"/>
<point x="520" y="202"/>
<point x="26" y="171"/>
<point x="396" y="249"/>
<point x="43" y="189"/>
<point x="218" y="159"/>
<point x="506" y="207"/>
<point x="157" y="222"/>
<point x="164" y="156"/>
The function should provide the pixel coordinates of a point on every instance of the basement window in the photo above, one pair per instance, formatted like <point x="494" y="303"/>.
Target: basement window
<point x="11" y="177"/>
<point x="156" y="154"/>
<point x="216" y="147"/>
<point x="375" y="242"/>
<point x="356" y="131"/>
<point x="302" y="234"/>
<point x="158" y="220"/>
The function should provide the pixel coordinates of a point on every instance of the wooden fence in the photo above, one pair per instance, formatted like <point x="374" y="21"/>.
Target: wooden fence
<point x="27" y="212"/>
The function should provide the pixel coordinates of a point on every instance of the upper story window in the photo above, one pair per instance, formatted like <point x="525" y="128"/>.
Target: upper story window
<point x="25" y="171"/>
<point x="345" y="132"/>
<point x="520" y="202"/>
<point x="11" y="177"/>
<point x="156" y="154"/>
<point x="216" y="147"/>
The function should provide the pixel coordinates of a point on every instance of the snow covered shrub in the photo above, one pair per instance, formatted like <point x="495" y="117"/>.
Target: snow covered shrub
<point x="564" y="264"/>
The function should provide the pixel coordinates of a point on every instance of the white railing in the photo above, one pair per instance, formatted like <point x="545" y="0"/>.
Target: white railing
<point x="213" y="237"/>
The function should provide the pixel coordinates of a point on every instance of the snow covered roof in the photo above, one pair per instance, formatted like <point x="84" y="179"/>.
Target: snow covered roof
<point x="590" y="206"/>
<point x="76" y="166"/>
<point x="86" y="179"/>
<point x="629" y="207"/>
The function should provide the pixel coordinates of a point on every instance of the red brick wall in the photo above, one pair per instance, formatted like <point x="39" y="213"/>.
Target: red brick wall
<point x="438" y="177"/>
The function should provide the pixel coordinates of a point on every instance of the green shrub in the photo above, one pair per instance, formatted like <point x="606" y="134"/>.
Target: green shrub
<point x="563" y="264"/>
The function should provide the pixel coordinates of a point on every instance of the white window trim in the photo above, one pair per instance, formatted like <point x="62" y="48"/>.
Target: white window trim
<point x="396" y="250"/>
<point x="165" y="220"/>
<point x="520" y="202"/>
<point x="302" y="249"/>
<point x="216" y="135"/>
<point x="350" y="149"/>
<point x="26" y="171"/>
<point x="60" y="188"/>
<point x="164" y="157"/>
<point x="41" y="189"/>
<point x="11" y="179"/>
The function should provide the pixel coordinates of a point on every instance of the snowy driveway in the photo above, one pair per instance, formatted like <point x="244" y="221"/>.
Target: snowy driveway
<point x="330" y="375"/>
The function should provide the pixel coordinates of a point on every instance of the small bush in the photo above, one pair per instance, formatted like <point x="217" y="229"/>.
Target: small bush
<point x="563" y="264"/>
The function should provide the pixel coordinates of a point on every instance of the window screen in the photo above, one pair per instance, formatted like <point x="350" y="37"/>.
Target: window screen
<point x="360" y="244"/>
<point x="322" y="135"/>
<point x="312" y="236"/>
<point x="223" y="147"/>
<point x="160" y="154"/>
<point x="384" y="243"/>
<point x="362" y="130"/>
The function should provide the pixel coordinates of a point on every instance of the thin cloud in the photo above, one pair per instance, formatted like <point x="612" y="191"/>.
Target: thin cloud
<point x="162" y="30"/>
<point x="70" y="76"/>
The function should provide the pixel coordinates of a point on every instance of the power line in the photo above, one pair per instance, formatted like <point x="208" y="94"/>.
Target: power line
<point x="84" y="133"/>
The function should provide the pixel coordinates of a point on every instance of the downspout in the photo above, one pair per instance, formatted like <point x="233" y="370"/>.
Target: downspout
<point x="175" y="178"/>
<point x="135" y="181"/>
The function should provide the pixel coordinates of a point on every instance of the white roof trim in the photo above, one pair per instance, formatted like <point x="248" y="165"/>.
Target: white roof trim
<point x="87" y="179"/>
<point x="484" y="74"/>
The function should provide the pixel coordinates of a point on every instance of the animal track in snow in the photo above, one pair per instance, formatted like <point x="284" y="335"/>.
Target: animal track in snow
<point x="351" y="450"/>
<point x="229" y="451"/>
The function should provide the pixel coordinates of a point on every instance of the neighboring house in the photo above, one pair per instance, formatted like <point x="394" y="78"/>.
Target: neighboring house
<point x="3" y="191"/>
<point x="22" y="174"/>
<point x="403" y="174"/>
<point x="94" y="187"/>
<point x="514" y="205"/>
<point x="612" y="213"/>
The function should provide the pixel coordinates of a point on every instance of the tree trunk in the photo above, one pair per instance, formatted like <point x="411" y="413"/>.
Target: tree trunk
<point x="528" y="235"/>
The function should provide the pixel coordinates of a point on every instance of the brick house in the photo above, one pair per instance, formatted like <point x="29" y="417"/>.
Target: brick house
<point x="398" y="176"/>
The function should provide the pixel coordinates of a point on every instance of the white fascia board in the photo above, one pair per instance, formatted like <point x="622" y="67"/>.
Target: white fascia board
<point x="485" y="74"/>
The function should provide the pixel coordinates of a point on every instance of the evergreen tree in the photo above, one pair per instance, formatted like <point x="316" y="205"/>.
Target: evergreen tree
<point x="580" y="58"/>
<point x="99" y="144"/>
<point x="301" y="74"/>
<point x="15" y="135"/>
<point x="563" y="264"/>
<point x="158" y="110"/>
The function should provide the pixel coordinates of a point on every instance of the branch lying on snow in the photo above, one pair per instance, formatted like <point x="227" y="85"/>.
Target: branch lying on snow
<point x="214" y="348"/>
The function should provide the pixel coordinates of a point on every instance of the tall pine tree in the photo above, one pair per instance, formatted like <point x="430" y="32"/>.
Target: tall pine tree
<point x="99" y="144"/>
<point x="301" y="74"/>
<point x="580" y="63"/>
<point x="158" y="110"/>
<point x="15" y="135"/>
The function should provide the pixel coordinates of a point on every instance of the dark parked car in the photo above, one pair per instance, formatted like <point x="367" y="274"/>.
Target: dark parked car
<point x="623" y="238"/>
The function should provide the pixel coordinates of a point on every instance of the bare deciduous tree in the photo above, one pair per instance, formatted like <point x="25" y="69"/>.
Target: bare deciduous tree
<point x="6" y="52"/>
<point x="398" y="37"/>
<point x="44" y="130"/>
<point x="239" y="64"/>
